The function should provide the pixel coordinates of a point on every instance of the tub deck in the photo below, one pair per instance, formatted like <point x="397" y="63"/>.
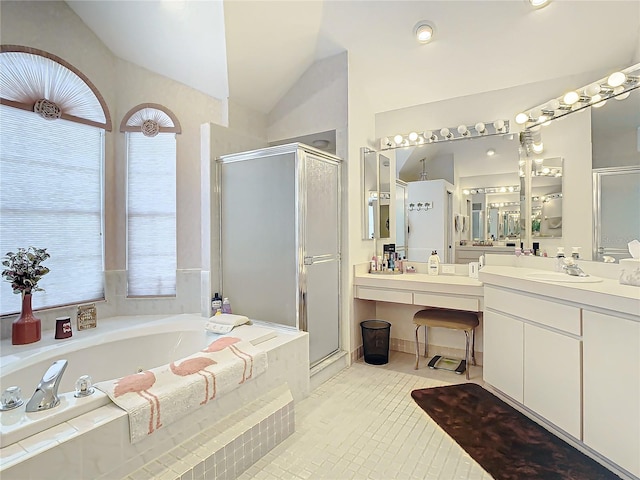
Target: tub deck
<point x="101" y="434"/>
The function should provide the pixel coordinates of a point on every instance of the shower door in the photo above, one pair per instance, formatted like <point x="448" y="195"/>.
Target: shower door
<point x="320" y="274"/>
<point x="615" y="209"/>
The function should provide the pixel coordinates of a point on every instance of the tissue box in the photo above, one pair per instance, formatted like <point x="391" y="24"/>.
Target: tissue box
<point x="630" y="271"/>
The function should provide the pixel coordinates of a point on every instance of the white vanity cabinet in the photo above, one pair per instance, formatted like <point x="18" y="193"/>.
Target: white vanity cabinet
<point x="612" y="388"/>
<point x="532" y="353"/>
<point x="504" y="353"/>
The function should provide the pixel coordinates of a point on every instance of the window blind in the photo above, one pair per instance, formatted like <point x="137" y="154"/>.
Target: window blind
<point x="51" y="197"/>
<point x="151" y="214"/>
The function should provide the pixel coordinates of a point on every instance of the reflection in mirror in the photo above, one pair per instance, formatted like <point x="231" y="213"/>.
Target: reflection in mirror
<point x="470" y="164"/>
<point x="376" y="178"/>
<point x="370" y="191"/>
<point x="546" y="197"/>
<point x="401" y="218"/>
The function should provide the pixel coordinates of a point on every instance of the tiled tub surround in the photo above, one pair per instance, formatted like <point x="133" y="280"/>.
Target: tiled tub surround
<point x="96" y="444"/>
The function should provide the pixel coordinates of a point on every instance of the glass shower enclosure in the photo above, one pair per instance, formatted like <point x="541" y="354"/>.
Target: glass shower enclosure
<point x="280" y="240"/>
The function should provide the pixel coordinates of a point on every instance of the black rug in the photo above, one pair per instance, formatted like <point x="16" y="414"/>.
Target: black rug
<point x="506" y="443"/>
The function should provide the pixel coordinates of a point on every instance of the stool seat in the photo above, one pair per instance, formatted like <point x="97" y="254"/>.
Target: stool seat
<point x="454" y="319"/>
<point x="446" y="319"/>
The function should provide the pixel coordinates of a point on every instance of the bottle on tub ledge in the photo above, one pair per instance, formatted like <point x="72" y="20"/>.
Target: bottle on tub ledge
<point x="433" y="266"/>
<point x="216" y="304"/>
<point x="226" y="305"/>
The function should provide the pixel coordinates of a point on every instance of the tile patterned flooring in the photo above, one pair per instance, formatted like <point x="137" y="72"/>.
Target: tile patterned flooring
<point x="363" y="424"/>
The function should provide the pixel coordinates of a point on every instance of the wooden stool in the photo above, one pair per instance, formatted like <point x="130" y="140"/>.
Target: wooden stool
<point x="456" y="319"/>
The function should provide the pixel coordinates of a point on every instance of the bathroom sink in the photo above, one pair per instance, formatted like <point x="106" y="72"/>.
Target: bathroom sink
<point x="561" y="277"/>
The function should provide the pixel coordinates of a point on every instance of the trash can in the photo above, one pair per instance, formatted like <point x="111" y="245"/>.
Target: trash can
<point x="375" y="341"/>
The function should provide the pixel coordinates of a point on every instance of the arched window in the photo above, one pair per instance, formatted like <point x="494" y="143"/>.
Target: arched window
<point x="52" y="124"/>
<point x="150" y="131"/>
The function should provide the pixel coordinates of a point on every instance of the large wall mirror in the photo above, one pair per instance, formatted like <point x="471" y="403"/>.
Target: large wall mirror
<point x="376" y="188"/>
<point x="485" y="175"/>
<point x="585" y="185"/>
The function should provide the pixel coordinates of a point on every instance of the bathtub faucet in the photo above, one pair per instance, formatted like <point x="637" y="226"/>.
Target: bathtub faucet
<point x="46" y="394"/>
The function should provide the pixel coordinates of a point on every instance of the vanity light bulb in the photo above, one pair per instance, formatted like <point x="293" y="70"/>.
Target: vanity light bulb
<point x="546" y="170"/>
<point x="538" y="147"/>
<point x="592" y="90"/>
<point x="413" y="136"/>
<point x="554" y="104"/>
<point x="503" y="189"/>
<point x="623" y="96"/>
<point x="386" y="142"/>
<point x="480" y="127"/>
<point x="616" y="79"/>
<point x="466" y="192"/>
<point x="522" y="118"/>
<point x="511" y="189"/>
<point x="462" y="130"/>
<point x="446" y="133"/>
<point x="538" y="160"/>
<point x="498" y="125"/>
<point x="398" y="139"/>
<point x="571" y="97"/>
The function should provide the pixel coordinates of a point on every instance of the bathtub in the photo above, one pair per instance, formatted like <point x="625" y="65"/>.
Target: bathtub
<point x="117" y="347"/>
<point x="125" y="345"/>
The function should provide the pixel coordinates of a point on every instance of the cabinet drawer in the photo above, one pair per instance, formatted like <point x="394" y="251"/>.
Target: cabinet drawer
<point x="444" y="301"/>
<point x="384" y="295"/>
<point x="544" y="312"/>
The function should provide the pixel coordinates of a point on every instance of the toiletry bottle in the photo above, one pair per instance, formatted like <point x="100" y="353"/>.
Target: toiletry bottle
<point x="392" y="263"/>
<point x="226" y="305"/>
<point x="433" y="266"/>
<point x="216" y="303"/>
<point x="399" y="265"/>
<point x="372" y="264"/>
<point x="575" y="252"/>
<point x="559" y="259"/>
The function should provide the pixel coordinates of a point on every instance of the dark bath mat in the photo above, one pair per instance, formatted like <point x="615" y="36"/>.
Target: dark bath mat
<point x="506" y="443"/>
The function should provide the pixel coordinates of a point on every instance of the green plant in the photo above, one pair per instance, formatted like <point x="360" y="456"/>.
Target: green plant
<point x="24" y="270"/>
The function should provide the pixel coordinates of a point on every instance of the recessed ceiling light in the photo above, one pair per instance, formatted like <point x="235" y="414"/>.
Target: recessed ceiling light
<point x="539" y="3"/>
<point x="423" y="32"/>
<point x="491" y="152"/>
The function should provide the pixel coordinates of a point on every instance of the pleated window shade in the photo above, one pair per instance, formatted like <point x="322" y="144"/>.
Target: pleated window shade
<point x="151" y="215"/>
<point x="51" y="197"/>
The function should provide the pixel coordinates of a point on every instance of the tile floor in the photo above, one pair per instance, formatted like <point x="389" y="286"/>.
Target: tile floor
<point x="363" y="424"/>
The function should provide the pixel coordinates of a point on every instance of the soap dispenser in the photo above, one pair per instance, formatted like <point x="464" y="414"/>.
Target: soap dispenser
<point x="433" y="266"/>
<point x="559" y="259"/>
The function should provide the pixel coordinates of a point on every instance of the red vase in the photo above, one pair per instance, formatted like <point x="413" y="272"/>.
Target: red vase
<point x="27" y="328"/>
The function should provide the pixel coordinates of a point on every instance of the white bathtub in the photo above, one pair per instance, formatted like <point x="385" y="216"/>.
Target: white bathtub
<point x="89" y="437"/>
<point x="119" y="347"/>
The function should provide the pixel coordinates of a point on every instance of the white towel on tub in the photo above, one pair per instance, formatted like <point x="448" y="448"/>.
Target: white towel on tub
<point x="158" y="397"/>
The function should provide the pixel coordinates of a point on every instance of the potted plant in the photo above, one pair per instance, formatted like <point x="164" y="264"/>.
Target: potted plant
<point x="23" y="270"/>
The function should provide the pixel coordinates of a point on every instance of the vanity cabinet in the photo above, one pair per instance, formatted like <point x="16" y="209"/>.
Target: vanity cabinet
<point x="532" y="353"/>
<point x="503" y="352"/>
<point x="612" y="388"/>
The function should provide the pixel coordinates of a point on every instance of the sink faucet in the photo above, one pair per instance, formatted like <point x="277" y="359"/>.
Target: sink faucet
<point x="574" y="270"/>
<point x="46" y="394"/>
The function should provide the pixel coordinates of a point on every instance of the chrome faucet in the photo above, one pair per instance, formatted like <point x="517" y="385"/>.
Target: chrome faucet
<point x="46" y="394"/>
<point x="574" y="270"/>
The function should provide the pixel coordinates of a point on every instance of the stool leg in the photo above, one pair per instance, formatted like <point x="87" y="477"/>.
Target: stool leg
<point x="473" y="346"/>
<point x="466" y="353"/>
<point x="425" y="341"/>
<point x="417" y="348"/>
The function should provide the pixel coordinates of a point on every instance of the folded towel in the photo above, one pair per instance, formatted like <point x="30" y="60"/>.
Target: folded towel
<point x="158" y="397"/>
<point x="224" y="322"/>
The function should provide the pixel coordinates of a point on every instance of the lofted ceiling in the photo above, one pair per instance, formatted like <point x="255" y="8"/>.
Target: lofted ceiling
<point x="254" y="51"/>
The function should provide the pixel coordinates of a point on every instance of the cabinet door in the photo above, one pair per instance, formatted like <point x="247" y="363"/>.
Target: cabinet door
<point x="552" y="377"/>
<point x="503" y="353"/>
<point x="612" y="388"/>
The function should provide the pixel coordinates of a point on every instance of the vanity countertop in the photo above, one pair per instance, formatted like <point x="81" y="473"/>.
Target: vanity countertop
<point x="607" y="294"/>
<point x="421" y="282"/>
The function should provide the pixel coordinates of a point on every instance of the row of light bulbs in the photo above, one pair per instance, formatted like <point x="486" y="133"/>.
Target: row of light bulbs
<point x="507" y="189"/>
<point x="463" y="131"/>
<point x="617" y="85"/>
<point x="546" y="198"/>
<point x="503" y="204"/>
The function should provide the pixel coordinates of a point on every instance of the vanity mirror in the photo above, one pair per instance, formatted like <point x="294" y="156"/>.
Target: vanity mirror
<point x="597" y="146"/>
<point x="376" y="188"/>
